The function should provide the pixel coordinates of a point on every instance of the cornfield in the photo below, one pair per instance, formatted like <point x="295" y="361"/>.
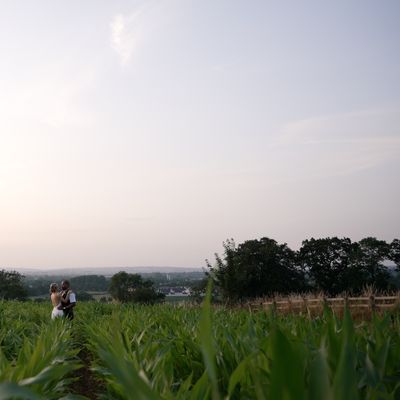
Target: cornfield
<point x="171" y="352"/>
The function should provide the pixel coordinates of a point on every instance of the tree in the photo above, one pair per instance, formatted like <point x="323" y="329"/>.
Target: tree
<point x="335" y="265"/>
<point x="370" y="257"/>
<point x="198" y="291"/>
<point x="85" y="296"/>
<point x="126" y="288"/>
<point x="256" y="268"/>
<point x="93" y="283"/>
<point x="11" y="286"/>
<point x="330" y="264"/>
<point x="394" y="252"/>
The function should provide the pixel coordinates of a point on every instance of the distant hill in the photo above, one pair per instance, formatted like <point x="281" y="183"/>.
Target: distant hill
<point x="106" y="271"/>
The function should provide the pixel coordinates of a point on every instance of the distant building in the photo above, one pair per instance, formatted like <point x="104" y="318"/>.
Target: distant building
<point x="174" y="290"/>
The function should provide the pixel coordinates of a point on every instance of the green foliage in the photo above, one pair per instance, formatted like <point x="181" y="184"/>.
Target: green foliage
<point x="394" y="252"/>
<point x="186" y="353"/>
<point x="371" y="254"/>
<point x="37" y="355"/>
<point x="85" y="296"/>
<point x="256" y="268"/>
<point x="337" y="265"/>
<point x="39" y="285"/>
<point x="331" y="264"/>
<point x="165" y="352"/>
<point x="207" y="343"/>
<point x="91" y="283"/>
<point x="126" y="288"/>
<point x="11" y="286"/>
<point x="198" y="292"/>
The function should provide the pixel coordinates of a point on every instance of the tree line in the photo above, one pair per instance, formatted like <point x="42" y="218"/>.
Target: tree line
<point x="263" y="267"/>
<point x="122" y="286"/>
<point x="257" y="268"/>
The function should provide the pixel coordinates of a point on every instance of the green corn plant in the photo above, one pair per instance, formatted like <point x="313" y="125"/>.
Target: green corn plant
<point x="38" y="361"/>
<point x="169" y="352"/>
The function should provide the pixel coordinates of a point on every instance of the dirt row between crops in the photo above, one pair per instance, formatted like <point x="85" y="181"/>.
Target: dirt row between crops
<point x="85" y="381"/>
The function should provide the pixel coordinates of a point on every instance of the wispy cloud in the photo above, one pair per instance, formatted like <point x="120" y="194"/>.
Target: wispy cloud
<point x="359" y="125"/>
<point x="125" y="37"/>
<point x="130" y="30"/>
<point x="341" y="144"/>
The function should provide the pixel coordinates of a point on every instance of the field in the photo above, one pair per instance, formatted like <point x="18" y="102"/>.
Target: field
<point x="180" y="352"/>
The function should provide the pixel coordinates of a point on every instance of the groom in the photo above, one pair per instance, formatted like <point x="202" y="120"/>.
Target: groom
<point x="69" y="300"/>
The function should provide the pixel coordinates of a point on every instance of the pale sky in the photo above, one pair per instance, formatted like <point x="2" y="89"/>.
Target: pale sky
<point x="145" y="133"/>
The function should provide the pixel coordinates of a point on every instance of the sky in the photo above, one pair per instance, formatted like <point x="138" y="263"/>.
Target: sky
<point x="145" y="133"/>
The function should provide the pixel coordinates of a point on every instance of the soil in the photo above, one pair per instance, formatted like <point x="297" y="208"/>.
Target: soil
<point x="86" y="382"/>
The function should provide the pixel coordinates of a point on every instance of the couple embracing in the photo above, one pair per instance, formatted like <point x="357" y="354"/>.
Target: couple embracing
<point x="63" y="301"/>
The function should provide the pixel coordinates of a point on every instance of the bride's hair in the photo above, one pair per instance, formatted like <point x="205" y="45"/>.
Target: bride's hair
<point x="53" y="287"/>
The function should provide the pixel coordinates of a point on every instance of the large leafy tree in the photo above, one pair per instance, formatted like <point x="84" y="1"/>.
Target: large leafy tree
<point x="335" y="265"/>
<point x="256" y="268"/>
<point x="11" y="286"/>
<point x="126" y="288"/>
<point x="330" y="264"/>
<point x="262" y="267"/>
<point x="371" y="254"/>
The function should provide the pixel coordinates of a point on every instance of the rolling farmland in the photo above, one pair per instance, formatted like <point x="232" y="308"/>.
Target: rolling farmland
<point x="171" y="352"/>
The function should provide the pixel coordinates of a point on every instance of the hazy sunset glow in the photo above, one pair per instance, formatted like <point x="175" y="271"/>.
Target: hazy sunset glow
<point x="145" y="133"/>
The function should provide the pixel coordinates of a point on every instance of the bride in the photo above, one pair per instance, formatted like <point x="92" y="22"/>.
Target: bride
<point x="55" y="297"/>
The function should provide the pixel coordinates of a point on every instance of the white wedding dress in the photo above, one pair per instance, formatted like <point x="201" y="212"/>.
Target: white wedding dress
<point x="55" y="313"/>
